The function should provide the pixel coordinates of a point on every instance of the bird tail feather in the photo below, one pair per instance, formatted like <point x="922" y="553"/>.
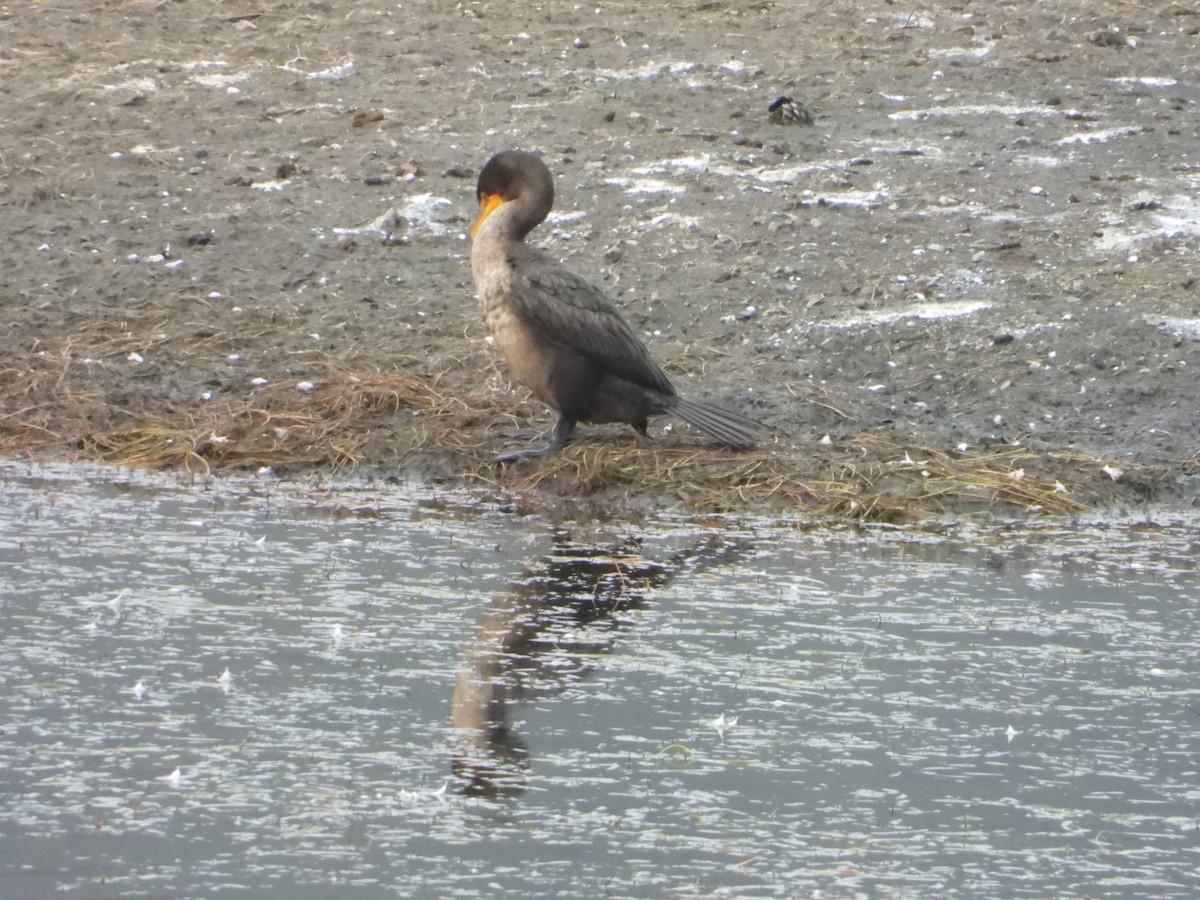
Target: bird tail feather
<point x="732" y="429"/>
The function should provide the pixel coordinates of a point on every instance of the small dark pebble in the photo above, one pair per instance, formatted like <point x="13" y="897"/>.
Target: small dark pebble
<point x="366" y="117"/>
<point x="459" y="172"/>
<point x="201" y="239"/>
<point x="201" y="153"/>
<point x="285" y="170"/>
<point x="1000" y="339"/>
<point x="609" y="116"/>
<point x="1110" y="37"/>
<point x="297" y="280"/>
<point x="377" y="180"/>
<point x="862" y="161"/>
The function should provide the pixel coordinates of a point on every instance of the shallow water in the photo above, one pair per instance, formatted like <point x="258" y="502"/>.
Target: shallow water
<point x="246" y="686"/>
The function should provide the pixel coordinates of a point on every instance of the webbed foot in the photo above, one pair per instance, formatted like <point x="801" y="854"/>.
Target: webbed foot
<point x="558" y="439"/>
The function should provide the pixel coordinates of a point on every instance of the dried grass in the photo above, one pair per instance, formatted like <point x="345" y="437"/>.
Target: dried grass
<point x="353" y="418"/>
<point x="279" y="425"/>
<point x="868" y="477"/>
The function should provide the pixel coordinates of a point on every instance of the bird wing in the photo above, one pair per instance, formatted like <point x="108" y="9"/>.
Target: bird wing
<point x="571" y="311"/>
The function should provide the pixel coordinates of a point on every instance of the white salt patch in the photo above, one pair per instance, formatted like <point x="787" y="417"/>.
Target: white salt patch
<point x="420" y="212"/>
<point x="946" y="112"/>
<point x="220" y="79"/>
<point x="1098" y="137"/>
<point x="646" y="186"/>
<point x="134" y="85"/>
<point x="1184" y="328"/>
<point x="684" y="165"/>
<point x="925" y="311"/>
<point x="1044" y="162"/>
<point x="687" y="223"/>
<point x="647" y="71"/>
<point x="1179" y="217"/>
<point x="698" y="163"/>
<point x="687" y="165"/>
<point x="1147" y="81"/>
<point x="383" y="223"/>
<point x="860" y="199"/>
<point x="784" y="174"/>
<point x="961" y="52"/>
<point x="333" y="73"/>
<point x="693" y="163"/>
<point x="422" y="209"/>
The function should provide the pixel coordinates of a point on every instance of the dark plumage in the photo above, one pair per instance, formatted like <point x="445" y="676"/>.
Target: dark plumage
<point x="786" y="111"/>
<point x="561" y="335"/>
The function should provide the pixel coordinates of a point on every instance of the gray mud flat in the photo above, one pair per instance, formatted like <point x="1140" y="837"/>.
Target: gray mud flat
<point x="987" y="238"/>
<point x="236" y="687"/>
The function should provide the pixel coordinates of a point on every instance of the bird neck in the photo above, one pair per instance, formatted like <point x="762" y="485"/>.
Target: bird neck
<point x="516" y="218"/>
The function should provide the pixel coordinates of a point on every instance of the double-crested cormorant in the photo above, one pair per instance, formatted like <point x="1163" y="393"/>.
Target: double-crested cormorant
<point x="560" y="334"/>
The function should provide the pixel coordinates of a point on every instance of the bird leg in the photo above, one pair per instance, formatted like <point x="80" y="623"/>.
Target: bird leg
<point x="558" y="439"/>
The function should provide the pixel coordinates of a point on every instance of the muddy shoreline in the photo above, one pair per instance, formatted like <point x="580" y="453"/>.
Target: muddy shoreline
<point x="238" y="238"/>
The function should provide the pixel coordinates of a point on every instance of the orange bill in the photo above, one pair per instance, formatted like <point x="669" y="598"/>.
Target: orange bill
<point x="488" y="204"/>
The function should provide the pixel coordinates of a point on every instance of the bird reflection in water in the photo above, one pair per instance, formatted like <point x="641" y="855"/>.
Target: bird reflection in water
<point x="568" y="603"/>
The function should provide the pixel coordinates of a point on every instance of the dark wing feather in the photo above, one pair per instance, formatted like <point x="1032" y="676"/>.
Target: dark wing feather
<point x="571" y="311"/>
